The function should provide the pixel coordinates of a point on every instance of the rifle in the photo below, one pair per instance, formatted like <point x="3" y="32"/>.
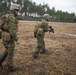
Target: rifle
<point x="51" y="29"/>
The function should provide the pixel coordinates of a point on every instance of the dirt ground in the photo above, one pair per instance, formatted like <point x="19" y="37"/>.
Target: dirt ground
<point x="59" y="60"/>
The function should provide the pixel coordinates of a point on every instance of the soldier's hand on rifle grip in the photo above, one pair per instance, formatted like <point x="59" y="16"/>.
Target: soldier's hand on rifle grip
<point x="51" y="29"/>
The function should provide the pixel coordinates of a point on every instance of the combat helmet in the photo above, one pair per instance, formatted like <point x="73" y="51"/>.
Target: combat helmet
<point x="46" y="16"/>
<point x="14" y="6"/>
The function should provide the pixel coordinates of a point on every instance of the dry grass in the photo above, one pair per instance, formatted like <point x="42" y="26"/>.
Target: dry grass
<point x="59" y="60"/>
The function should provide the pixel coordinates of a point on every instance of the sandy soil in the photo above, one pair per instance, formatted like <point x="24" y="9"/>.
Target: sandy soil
<point x="59" y="60"/>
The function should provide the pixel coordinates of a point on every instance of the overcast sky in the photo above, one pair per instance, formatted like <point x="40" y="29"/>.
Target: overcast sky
<point x="64" y="5"/>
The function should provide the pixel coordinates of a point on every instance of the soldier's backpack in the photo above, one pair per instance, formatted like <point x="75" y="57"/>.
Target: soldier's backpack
<point x="4" y="27"/>
<point x="38" y="29"/>
<point x="3" y="23"/>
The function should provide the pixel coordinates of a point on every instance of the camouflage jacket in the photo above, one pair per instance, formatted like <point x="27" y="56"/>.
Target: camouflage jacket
<point x="12" y="25"/>
<point x="44" y="25"/>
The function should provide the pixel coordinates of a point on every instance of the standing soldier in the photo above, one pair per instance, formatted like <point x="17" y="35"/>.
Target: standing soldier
<point x="9" y="27"/>
<point x="39" y="33"/>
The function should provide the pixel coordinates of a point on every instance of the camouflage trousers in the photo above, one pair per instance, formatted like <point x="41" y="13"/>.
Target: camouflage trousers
<point x="9" y="50"/>
<point x="40" y="45"/>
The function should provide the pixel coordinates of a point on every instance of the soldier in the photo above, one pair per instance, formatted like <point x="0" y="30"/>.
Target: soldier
<point x="9" y="29"/>
<point x="39" y="33"/>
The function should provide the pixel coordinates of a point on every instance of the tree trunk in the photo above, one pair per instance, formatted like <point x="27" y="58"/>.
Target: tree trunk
<point x="25" y="14"/>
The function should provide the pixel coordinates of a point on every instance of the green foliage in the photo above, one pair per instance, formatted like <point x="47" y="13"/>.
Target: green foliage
<point x="28" y="7"/>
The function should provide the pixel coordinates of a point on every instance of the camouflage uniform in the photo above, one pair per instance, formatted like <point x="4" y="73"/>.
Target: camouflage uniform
<point x="12" y="29"/>
<point x="9" y="45"/>
<point x="40" y="38"/>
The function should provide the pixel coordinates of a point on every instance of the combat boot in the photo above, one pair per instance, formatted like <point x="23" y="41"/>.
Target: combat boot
<point x="43" y="51"/>
<point x="11" y="69"/>
<point x="35" y="55"/>
<point x="1" y="65"/>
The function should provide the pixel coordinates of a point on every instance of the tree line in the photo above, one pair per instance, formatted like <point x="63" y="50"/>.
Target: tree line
<point x="31" y="10"/>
